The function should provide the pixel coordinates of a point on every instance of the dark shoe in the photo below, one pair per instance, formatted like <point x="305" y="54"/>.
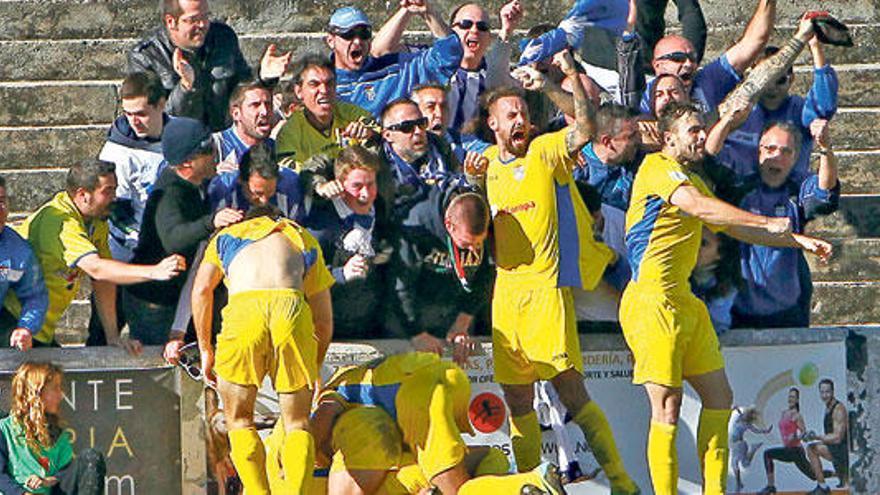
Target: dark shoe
<point x="551" y="484"/>
<point x="767" y="490"/>
<point x="819" y="491"/>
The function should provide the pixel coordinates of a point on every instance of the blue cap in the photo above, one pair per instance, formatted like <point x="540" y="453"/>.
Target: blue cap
<point x="183" y="138"/>
<point x="345" y="18"/>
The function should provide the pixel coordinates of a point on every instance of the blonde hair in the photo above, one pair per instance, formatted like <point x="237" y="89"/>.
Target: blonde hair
<point x="27" y="406"/>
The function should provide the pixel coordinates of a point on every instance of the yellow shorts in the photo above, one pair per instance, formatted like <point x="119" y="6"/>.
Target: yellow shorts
<point x="534" y="334"/>
<point x="670" y="335"/>
<point x="432" y="414"/>
<point x="268" y="332"/>
<point x="366" y="438"/>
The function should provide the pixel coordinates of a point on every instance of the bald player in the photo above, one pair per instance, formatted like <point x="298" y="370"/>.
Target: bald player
<point x="278" y="322"/>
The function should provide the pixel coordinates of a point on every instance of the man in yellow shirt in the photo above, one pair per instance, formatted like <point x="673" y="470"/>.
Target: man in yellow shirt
<point x="323" y="125"/>
<point x="69" y="237"/>
<point x="667" y="328"/>
<point x="278" y="322"/>
<point x="544" y="246"/>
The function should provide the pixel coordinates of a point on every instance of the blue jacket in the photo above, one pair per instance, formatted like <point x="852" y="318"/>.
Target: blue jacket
<point x="20" y="270"/>
<point x="225" y="191"/>
<point x="740" y="152"/>
<point x="613" y="182"/>
<point x="774" y="279"/>
<point x="393" y="76"/>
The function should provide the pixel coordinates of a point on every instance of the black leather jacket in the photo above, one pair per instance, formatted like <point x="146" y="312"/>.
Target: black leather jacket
<point x="218" y="64"/>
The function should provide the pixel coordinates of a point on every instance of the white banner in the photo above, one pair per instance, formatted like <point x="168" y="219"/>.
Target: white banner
<point x="760" y="376"/>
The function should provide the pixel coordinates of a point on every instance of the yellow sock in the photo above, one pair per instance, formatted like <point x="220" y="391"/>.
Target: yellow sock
<point x="663" y="458"/>
<point x="525" y="436"/>
<point x="411" y="478"/>
<point x="249" y="457"/>
<point x="511" y="483"/>
<point x="298" y="460"/>
<point x="713" y="450"/>
<point x="598" y="434"/>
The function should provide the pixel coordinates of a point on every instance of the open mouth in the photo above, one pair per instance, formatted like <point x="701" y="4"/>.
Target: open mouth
<point x="323" y="102"/>
<point x="686" y="76"/>
<point x="438" y="127"/>
<point x="518" y="137"/>
<point x="472" y="44"/>
<point x="357" y="55"/>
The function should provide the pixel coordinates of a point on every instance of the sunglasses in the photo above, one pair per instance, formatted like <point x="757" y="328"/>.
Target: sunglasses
<point x="466" y="24"/>
<point x="679" y="57"/>
<point x="362" y="32"/>
<point x="190" y="362"/>
<point x="408" y="126"/>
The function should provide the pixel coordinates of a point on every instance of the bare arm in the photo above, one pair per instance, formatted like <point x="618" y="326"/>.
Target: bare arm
<point x="387" y="39"/>
<point x="716" y="212"/>
<point x="117" y="272"/>
<point x="207" y="279"/>
<point x="742" y="54"/>
<point x="736" y="114"/>
<point x="584" y="127"/>
<point x="828" y="176"/>
<point x="839" y="419"/>
<point x="322" y="315"/>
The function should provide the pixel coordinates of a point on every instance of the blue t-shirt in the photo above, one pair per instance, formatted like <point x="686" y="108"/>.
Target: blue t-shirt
<point x="740" y="152"/>
<point x="393" y="76"/>
<point x="229" y="143"/>
<point x="711" y="84"/>
<point x="225" y="191"/>
<point x="774" y="278"/>
<point x="20" y="271"/>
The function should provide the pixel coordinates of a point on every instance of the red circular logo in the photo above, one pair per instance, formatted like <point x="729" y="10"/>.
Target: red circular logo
<point x="487" y="412"/>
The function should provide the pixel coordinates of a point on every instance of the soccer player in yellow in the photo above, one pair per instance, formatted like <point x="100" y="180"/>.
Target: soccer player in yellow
<point x="544" y="245"/>
<point x="278" y="322"/>
<point x="425" y="401"/>
<point x="667" y="328"/>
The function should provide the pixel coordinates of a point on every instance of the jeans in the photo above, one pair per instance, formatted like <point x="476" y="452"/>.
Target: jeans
<point x="148" y="322"/>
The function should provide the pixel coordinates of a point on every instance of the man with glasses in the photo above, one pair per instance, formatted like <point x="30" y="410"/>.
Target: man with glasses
<point x="777" y="284"/>
<point x="372" y="82"/>
<point x="199" y="61"/>
<point x="776" y="104"/>
<point x="675" y="54"/>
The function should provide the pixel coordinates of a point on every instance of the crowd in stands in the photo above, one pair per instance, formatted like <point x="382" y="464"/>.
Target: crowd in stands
<point x="379" y="148"/>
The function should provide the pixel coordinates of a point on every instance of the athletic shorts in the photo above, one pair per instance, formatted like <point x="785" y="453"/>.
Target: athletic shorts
<point x="365" y="438"/>
<point x="432" y="415"/>
<point x="268" y="332"/>
<point x="670" y="335"/>
<point x="534" y="334"/>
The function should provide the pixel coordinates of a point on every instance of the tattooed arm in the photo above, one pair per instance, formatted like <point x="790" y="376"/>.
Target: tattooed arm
<point x="584" y="127"/>
<point x="770" y="69"/>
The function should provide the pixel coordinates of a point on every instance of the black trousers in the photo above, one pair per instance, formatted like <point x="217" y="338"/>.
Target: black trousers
<point x="651" y="25"/>
<point x="83" y="476"/>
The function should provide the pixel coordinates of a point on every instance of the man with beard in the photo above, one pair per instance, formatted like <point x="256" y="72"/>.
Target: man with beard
<point x="544" y="246"/>
<point x="199" y="61"/>
<point x="69" y="237"/>
<point x="833" y="444"/>
<point x="322" y="125"/>
<point x="666" y="327"/>
<point x="372" y="82"/>
<point x="708" y="86"/>
<point x="777" y="284"/>
<point x="250" y="107"/>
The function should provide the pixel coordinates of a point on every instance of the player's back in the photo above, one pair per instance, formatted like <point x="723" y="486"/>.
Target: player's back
<point x="272" y="262"/>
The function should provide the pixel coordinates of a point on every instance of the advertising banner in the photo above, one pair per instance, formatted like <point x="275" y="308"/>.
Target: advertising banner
<point x="130" y="416"/>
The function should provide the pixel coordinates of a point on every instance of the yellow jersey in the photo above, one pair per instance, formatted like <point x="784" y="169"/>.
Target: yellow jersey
<point x="231" y="240"/>
<point x="662" y="241"/>
<point x="299" y="140"/>
<point x="543" y="230"/>
<point x="60" y="237"/>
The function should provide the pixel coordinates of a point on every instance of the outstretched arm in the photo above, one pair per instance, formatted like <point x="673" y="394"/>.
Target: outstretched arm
<point x="584" y="127"/>
<point x="742" y="54"/>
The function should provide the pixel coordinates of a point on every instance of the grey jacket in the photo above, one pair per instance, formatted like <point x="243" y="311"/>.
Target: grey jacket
<point x="219" y="66"/>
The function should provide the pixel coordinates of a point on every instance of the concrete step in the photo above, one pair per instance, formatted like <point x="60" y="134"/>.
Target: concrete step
<point x="47" y="147"/>
<point x="57" y="103"/>
<point x="105" y="58"/>
<point x="78" y="19"/>
<point x="854" y="260"/>
<point x="858" y="217"/>
<point x="858" y="171"/>
<point x="858" y="84"/>
<point x="845" y="303"/>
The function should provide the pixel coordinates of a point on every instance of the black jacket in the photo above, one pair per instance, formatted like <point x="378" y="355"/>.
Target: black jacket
<point x="219" y="66"/>
<point x="176" y="219"/>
